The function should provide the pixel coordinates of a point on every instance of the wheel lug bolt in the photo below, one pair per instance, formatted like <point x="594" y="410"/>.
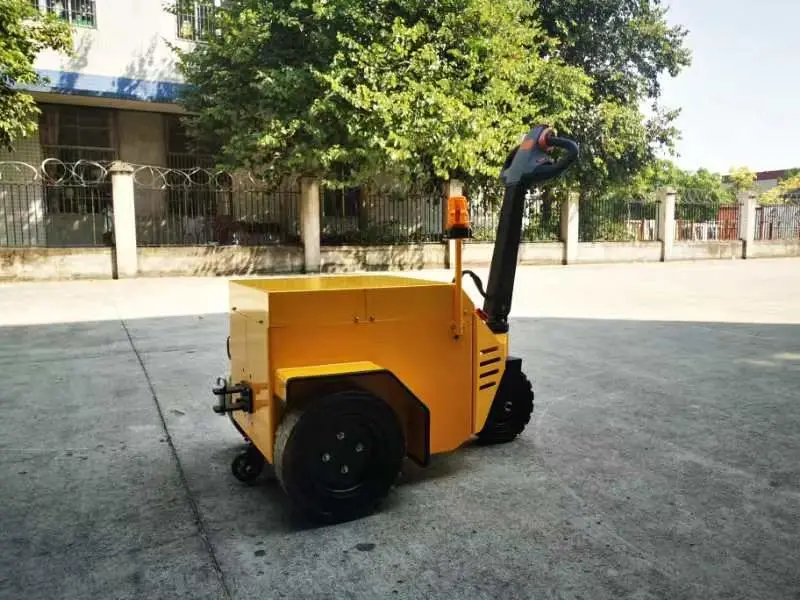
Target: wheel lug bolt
<point x="340" y="435"/>
<point x="344" y="469"/>
<point x="359" y="447"/>
<point x="326" y="457"/>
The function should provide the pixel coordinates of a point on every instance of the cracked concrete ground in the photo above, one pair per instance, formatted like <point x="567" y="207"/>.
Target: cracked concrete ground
<point x="662" y="460"/>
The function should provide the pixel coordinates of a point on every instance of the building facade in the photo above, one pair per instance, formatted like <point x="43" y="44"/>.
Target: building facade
<point x="117" y="98"/>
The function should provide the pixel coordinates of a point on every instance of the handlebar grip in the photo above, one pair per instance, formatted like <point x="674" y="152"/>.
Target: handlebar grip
<point x="530" y="163"/>
<point x="571" y="154"/>
<point x="567" y="144"/>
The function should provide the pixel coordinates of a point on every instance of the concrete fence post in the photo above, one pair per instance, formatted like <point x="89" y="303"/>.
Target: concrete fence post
<point x="747" y="221"/>
<point x="452" y="187"/>
<point x="310" y="223"/>
<point x="127" y="259"/>
<point x="570" y="230"/>
<point x="666" y="223"/>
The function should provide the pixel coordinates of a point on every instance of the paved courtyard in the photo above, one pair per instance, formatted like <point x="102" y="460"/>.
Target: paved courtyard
<point x="663" y="460"/>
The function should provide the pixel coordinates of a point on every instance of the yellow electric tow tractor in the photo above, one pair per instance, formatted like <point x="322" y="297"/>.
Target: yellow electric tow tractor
<point x="335" y="379"/>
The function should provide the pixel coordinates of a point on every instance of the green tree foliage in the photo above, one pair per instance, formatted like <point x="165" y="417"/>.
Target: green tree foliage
<point x="432" y="89"/>
<point x="624" y="46"/>
<point x="742" y="179"/>
<point x="24" y="33"/>
<point x="703" y="186"/>
<point x="349" y="88"/>
<point x="787" y="189"/>
<point x="648" y="182"/>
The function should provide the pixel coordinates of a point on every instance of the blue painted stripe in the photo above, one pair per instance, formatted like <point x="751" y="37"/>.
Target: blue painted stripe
<point x="103" y="86"/>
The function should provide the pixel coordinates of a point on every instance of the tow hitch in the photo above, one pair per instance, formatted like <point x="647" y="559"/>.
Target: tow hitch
<point x="226" y="402"/>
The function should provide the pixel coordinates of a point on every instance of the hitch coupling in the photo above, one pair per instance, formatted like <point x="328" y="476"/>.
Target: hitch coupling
<point x="225" y="393"/>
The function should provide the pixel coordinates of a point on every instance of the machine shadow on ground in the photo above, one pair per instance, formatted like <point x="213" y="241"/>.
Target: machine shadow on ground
<point x="662" y="460"/>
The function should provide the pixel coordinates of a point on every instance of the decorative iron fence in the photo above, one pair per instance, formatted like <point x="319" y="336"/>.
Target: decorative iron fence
<point x="197" y="206"/>
<point x="613" y="219"/>
<point x="378" y="215"/>
<point x="702" y="217"/>
<point x="55" y="204"/>
<point x="778" y="222"/>
<point x="541" y="219"/>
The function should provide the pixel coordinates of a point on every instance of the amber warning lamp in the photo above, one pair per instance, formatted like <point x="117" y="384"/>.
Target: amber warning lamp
<point x="457" y="230"/>
<point x="457" y="218"/>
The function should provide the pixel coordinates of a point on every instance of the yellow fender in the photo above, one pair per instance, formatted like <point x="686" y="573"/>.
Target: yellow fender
<point x="301" y="384"/>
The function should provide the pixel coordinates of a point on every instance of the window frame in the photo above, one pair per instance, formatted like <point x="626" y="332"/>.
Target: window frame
<point x="63" y="194"/>
<point x="47" y="7"/>
<point x="192" y="12"/>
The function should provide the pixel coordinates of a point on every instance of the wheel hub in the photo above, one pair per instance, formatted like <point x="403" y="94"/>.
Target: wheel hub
<point x="344" y="452"/>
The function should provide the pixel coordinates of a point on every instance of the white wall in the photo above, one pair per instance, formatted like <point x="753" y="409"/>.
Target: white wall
<point x="129" y="40"/>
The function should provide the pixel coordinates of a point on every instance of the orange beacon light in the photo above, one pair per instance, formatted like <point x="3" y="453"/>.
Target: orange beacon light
<point x="457" y="217"/>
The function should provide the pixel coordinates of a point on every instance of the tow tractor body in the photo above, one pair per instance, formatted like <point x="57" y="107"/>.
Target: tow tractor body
<point x="336" y="380"/>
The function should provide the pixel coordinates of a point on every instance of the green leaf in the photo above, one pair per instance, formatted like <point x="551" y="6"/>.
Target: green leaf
<point x="24" y="33"/>
<point x="347" y="90"/>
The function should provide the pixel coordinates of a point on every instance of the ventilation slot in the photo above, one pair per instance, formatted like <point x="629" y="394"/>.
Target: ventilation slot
<point x="491" y="361"/>
<point x="490" y="373"/>
<point x="486" y="386"/>
<point x="491" y="350"/>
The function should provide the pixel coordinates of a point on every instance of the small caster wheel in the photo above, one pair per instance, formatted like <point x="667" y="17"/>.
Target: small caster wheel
<point x="248" y="465"/>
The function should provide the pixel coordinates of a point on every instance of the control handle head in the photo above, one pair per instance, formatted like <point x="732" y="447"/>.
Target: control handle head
<point x="531" y="161"/>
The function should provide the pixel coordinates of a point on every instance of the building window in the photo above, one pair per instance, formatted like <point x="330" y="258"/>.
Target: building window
<point x="183" y="151"/>
<point x="73" y="133"/>
<point x="81" y="13"/>
<point x="195" y="18"/>
<point x="193" y="191"/>
<point x="82" y="141"/>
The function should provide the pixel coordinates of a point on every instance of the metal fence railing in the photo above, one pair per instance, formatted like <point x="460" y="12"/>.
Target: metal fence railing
<point x="188" y="207"/>
<point x="62" y="203"/>
<point x="777" y="222"/>
<point x="613" y="219"/>
<point x="372" y="215"/>
<point x="541" y="220"/>
<point x="55" y="204"/>
<point x="706" y="221"/>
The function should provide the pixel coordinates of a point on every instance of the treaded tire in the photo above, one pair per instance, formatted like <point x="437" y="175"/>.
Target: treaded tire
<point x="337" y="456"/>
<point x="511" y="409"/>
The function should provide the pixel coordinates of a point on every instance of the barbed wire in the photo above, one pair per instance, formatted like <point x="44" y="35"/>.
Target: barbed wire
<point x="55" y="172"/>
<point x="91" y="173"/>
<point x="156" y="177"/>
<point x="162" y="178"/>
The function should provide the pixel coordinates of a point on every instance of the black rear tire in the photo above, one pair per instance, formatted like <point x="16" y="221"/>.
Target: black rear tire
<point x="337" y="456"/>
<point x="511" y="409"/>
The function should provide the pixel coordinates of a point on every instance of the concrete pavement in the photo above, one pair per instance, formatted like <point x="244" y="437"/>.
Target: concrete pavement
<point x="661" y="461"/>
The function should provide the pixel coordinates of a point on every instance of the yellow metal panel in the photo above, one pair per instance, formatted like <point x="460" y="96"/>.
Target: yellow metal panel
<point x="490" y="353"/>
<point x="282" y="376"/>
<point x="257" y="363"/>
<point x="332" y="282"/>
<point x="411" y="338"/>
<point x="238" y="346"/>
<point x="260" y="428"/>
<point x="436" y="368"/>
<point x="246" y="300"/>
<point x="317" y="308"/>
<point x="398" y="304"/>
<point x="249" y="332"/>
